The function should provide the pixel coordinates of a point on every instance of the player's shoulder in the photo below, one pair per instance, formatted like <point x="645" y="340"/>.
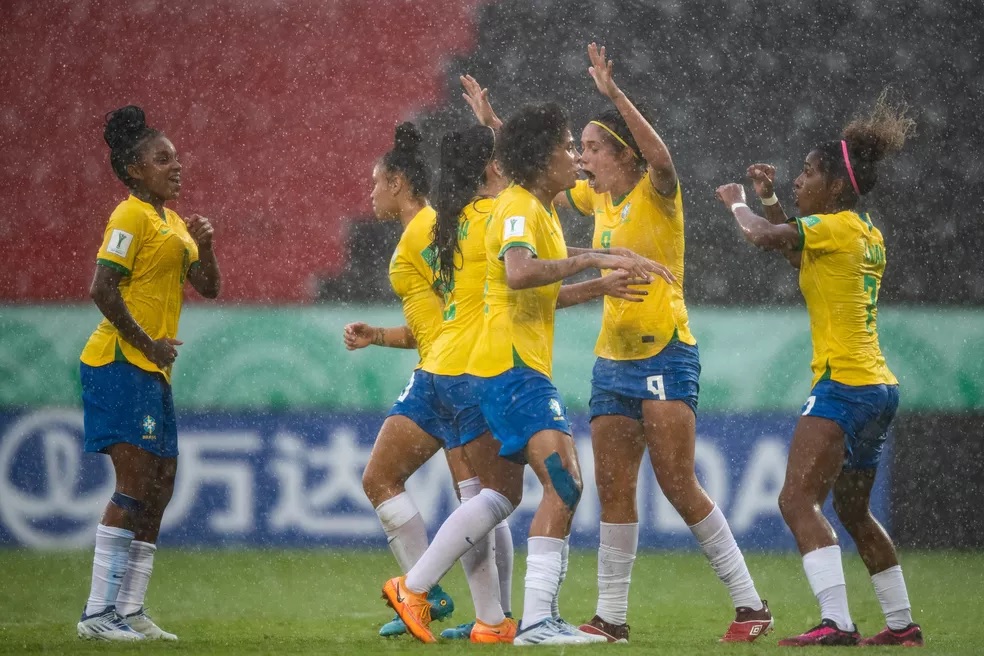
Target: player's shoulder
<point x="514" y="200"/>
<point x="131" y="209"/>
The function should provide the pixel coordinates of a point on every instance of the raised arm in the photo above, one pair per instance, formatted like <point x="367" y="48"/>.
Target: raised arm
<point x="755" y="229"/>
<point x="478" y="99"/>
<point x="657" y="155"/>
<point x="763" y="177"/>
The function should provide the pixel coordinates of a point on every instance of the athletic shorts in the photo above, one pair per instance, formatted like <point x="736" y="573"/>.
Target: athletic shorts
<point x="618" y="387"/>
<point x="863" y="412"/>
<point x="443" y="406"/>
<point x="123" y="403"/>
<point x="518" y="404"/>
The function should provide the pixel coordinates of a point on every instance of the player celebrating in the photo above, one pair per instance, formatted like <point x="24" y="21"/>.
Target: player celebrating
<point x="645" y="381"/>
<point x="839" y="438"/>
<point x="147" y="253"/>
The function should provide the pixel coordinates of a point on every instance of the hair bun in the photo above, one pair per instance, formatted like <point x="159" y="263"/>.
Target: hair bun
<point x="408" y="137"/>
<point x="124" y="126"/>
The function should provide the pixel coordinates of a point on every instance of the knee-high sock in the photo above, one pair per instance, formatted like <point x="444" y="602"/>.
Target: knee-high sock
<point x="543" y="573"/>
<point x="469" y="523"/>
<point x="718" y="544"/>
<point x="108" y="567"/>
<point x="893" y="597"/>
<point x="504" y="558"/>
<point x="405" y="530"/>
<point x="825" y="572"/>
<point x="479" y="565"/>
<point x="140" y="566"/>
<point x="616" y="555"/>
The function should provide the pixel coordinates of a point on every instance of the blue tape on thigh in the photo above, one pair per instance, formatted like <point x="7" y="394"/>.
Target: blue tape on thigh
<point x="567" y="488"/>
<point x="129" y="504"/>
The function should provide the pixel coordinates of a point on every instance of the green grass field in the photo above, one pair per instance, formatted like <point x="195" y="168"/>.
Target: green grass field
<point x="327" y="602"/>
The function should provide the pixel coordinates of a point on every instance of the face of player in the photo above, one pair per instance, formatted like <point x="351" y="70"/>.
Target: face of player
<point x="562" y="166"/>
<point x="602" y="164"/>
<point x="812" y="189"/>
<point x="384" y="201"/>
<point x="157" y="171"/>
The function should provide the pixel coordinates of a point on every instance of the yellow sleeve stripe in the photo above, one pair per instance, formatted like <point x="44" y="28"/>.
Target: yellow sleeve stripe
<point x="113" y="265"/>
<point x="570" y="199"/>
<point x="512" y="244"/>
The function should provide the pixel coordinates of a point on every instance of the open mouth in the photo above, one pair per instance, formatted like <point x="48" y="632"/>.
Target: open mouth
<point x="589" y="176"/>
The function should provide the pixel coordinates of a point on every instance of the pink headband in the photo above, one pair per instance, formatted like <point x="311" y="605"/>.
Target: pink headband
<point x="850" y="171"/>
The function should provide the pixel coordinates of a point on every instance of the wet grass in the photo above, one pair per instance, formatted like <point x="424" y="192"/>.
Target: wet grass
<point x="327" y="602"/>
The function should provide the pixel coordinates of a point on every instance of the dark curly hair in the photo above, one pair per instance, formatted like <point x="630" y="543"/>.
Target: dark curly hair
<point x="528" y="139"/>
<point x="126" y="132"/>
<point x="615" y="122"/>
<point x="407" y="158"/>
<point x="869" y="140"/>
<point x="464" y="156"/>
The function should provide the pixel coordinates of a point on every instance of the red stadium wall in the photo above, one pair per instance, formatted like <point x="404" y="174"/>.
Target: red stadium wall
<point x="278" y="109"/>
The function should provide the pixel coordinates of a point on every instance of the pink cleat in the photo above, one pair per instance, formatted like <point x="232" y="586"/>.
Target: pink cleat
<point x="910" y="636"/>
<point x="824" y="634"/>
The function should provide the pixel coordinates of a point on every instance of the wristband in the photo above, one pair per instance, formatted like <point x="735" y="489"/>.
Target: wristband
<point x="771" y="200"/>
<point x="735" y="206"/>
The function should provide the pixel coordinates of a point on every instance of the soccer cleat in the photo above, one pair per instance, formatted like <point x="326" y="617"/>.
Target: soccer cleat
<point x="552" y="632"/>
<point x="826" y="634"/>
<point x="504" y="631"/>
<point x="749" y="624"/>
<point x="442" y="606"/>
<point x="460" y="632"/>
<point x="610" y="632"/>
<point x="910" y="636"/>
<point x="411" y="607"/>
<point x="107" y="625"/>
<point x="141" y="623"/>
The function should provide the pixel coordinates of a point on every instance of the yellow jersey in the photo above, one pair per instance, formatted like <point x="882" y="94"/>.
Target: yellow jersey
<point x="519" y="324"/>
<point x="464" y="304"/>
<point x="154" y="254"/>
<point x="840" y="274"/>
<point x="411" y="274"/>
<point x="652" y="226"/>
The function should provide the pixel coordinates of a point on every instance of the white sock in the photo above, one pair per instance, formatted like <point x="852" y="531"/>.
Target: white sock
<point x="469" y="523"/>
<point x="543" y="572"/>
<point x="565" y="555"/>
<point x="479" y="565"/>
<point x="616" y="555"/>
<point x="504" y="559"/>
<point x="893" y="597"/>
<point x="405" y="530"/>
<point x="139" y="567"/>
<point x="718" y="544"/>
<point x="108" y="567"/>
<point x="825" y="572"/>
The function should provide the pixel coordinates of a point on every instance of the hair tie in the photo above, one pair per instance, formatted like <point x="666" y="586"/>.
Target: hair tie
<point x="850" y="171"/>
<point x="617" y="138"/>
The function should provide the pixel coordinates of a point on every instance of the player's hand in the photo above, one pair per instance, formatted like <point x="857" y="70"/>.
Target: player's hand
<point x="638" y="267"/>
<point x="730" y="194"/>
<point x="358" y="335"/>
<point x="162" y="351"/>
<point x="618" y="284"/>
<point x="478" y="99"/>
<point x="601" y="70"/>
<point x="200" y="230"/>
<point x="763" y="177"/>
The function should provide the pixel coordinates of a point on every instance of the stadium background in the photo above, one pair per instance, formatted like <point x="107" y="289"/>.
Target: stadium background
<point x="279" y="108"/>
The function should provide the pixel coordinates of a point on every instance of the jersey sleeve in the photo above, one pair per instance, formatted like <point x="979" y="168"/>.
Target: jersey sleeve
<point x="817" y="234"/>
<point x="121" y="241"/>
<point x="580" y="196"/>
<point x="518" y="228"/>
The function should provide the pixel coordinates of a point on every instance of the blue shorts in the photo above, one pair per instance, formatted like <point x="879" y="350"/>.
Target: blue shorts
<point x="618" y="387"/>
<point x="443" y="406"/>
<point x="518" y="404"/>
<point x="863" y="412"/>
<point x="124" y="403"/>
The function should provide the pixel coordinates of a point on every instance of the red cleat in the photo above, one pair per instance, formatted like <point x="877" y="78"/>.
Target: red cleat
<point x="824" y="634"/>
<point x="749" y="624"/>
<point x="611" y="632"/>
<point x="910" y="636"/>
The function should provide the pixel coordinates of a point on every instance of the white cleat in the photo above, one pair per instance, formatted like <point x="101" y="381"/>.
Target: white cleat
<point x="551" y="632"/>
<point x="107" y="625"/>
<point x="590" y="637"/>
<point x="140" y="621"/>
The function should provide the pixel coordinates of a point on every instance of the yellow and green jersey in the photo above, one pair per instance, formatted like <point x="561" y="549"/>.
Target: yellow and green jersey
<point x="652" y="226"/>
<point x="465" y="302"/>
<point x="840" y="275"/>
<point x="154" y="254"/>
<point x="519" y="324"/>
<point x="412" y="277"/>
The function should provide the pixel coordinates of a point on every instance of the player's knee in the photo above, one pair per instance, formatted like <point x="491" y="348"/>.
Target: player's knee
<point x="134" y="508"/>
<point x="787" y="503"/>
<point x="567" y="486"/>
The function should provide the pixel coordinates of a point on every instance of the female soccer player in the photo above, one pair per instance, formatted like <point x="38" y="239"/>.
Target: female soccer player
<point x="147" y="253"/>
<point x="645" y="381"/>
<point x="839" y="438"/>
<point x="511" y="360"/>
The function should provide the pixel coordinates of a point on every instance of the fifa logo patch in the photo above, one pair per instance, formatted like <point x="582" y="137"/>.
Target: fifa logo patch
<point x="149" y="425"/>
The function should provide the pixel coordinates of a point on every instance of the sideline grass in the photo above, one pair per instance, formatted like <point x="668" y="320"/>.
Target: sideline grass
<point x="327" y="602"/>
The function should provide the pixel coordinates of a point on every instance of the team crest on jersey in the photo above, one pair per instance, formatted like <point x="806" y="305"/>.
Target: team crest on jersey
<point x="555" y="408"/>
<point x="149" y="425"/>
<point x="625" y="212"/>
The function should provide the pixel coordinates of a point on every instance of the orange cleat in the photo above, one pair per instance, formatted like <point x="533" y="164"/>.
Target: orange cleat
<point x="504" y="631"/>
<point x="412" y="607"/>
